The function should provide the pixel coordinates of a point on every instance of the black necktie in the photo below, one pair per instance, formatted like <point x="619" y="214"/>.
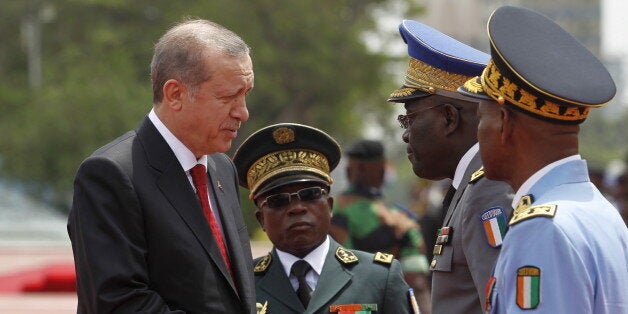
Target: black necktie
<point x="299" y="269"/>
<point x="448" y="197"/>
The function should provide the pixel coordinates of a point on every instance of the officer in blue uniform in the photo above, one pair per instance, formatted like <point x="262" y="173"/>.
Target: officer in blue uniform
<point x="567" y="248"/>
<point x="441" y="127"/>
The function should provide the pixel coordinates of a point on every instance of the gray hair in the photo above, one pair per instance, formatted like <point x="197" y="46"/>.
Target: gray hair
<point x="180" y="53"/>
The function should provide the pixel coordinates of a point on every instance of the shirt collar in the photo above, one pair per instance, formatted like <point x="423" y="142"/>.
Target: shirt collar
<point x="316" y="258"/>
<point x="463" y="164"/>
<point x="184" y="155"/>
<point x="529" y="183"/>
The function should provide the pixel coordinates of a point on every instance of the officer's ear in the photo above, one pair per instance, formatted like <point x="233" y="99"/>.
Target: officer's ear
<point x="260" y="218"/>
<point x="507" y="124"/>
<point x="330" y="202"/>
<point x="452" y="118"/>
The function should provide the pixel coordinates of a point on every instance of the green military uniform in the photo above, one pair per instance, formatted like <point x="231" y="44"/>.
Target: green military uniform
<point x="348" y="277"/>
<point x="357" y="210"/>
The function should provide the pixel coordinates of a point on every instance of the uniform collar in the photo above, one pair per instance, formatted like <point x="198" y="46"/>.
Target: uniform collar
<point x="527" y="186"/>
<point x="316" y="258"/>
<point x="463" y="164"/>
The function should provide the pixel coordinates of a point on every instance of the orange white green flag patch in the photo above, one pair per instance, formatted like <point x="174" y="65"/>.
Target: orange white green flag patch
<point x="494" y="223"/>
<point x="528" y="287"/>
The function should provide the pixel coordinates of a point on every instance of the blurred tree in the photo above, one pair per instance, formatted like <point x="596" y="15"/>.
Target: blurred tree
<point x="310" y="62"/>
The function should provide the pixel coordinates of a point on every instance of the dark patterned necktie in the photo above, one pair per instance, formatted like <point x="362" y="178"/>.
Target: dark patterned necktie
<point x="299" y="270"/>
<point x="448" y="197"/>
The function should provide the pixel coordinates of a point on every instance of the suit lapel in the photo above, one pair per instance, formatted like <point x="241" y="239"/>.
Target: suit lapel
<point x="276" y="284"/>
<point x="228" y="224"/>
<point x="334" y="277"/>
<point x="175" y="186"/>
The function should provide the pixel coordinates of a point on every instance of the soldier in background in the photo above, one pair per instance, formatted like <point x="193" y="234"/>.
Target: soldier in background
<point x="362" y="221"/>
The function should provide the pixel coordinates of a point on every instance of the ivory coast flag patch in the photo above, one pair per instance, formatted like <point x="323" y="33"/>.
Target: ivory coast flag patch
<point x="494" y="222"/>
<point x="528" y="287"/>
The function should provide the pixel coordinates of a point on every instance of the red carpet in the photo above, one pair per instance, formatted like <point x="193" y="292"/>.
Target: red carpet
<point x="52" y="278"/>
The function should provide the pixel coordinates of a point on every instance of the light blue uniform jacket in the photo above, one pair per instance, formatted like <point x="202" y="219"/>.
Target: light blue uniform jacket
<point x="581" y="252"/>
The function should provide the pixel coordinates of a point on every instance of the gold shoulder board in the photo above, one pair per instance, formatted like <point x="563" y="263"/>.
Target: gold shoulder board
<point x="533" y="211"/>
<point x="383" y="258"/>
<point x="261" y="265"/>
<point x="345" y="256"/>
<point x="477" y="175"/>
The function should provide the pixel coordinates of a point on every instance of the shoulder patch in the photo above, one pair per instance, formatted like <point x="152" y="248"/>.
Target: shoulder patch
<point x="528" y="287"/>
<point x="345" y="256"/>
<point x="261" y="265"/>
<point x="534" y="211"/>
<point x="383" y="258"/>
<point x="477" y="175"/>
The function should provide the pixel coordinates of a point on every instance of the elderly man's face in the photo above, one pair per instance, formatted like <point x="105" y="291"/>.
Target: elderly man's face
<point x="212" y="113"/>
<point x="425" y="137"/>
<point x="299" y="226"/>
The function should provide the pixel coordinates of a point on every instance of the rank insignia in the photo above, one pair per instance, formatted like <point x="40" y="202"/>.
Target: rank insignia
<point x="528" y="287"/>
<point x="383" y="258"/>
<point x="531" y="212"/>
<point x="261" y="308"/>
<point x="494" y="223"/>
<point x="261" y="265"/>
<point x="477" y="175"/>
<point x="346" y="256"/>
<point x="353" y="308"/>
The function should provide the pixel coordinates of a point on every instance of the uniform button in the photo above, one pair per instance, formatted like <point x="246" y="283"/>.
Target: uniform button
<point x="433" y="263"/>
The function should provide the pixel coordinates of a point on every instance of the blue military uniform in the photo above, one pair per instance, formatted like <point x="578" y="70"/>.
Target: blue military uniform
<point x="570" y="239"/>
<point x="566" y="250"/>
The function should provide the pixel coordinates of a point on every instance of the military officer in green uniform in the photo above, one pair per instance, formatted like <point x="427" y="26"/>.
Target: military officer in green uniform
<point x="287" y="169"/>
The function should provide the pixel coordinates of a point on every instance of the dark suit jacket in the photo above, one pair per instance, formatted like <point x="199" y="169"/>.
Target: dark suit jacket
<point x="462" y="270"/>
<point x="364" y="282"/>
<point x="141" y="242"/>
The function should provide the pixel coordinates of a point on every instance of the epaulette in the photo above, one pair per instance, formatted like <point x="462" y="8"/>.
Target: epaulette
<point x="533" y="211"/>
<point x="477" y="175"/>
<point x="383" y="258"/>
<point x="345" y="256"/>
<point x="262" y="264"/>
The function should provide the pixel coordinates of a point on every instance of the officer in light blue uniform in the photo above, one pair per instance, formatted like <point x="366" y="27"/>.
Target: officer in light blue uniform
<point x="566" y="250"/>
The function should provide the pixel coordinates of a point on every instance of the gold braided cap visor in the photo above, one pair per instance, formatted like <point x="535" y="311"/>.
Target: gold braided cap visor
<point x="424" y="77"/>
<point x="502" y="89"/>
<point x="292" y="160"/>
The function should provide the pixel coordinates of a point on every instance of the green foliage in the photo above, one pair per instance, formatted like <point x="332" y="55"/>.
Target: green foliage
<point x="311" y="67"/>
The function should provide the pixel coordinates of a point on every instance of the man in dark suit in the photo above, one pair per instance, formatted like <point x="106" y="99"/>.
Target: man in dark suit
<point x="286" y="167"/>
<point x="440" y="130"/>
<point x="155" y="224"/>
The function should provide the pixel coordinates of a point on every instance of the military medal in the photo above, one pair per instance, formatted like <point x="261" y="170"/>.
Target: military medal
<point x="444" y="237"/>
<point x="353" y="308"/>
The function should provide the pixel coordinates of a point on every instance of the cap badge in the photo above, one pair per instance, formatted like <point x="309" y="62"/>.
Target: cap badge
<point x="283" y="135"/>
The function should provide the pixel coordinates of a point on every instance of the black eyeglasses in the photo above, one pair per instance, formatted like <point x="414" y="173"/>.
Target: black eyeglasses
<point x="406" y="119"/>
<point x="277" y="201"/>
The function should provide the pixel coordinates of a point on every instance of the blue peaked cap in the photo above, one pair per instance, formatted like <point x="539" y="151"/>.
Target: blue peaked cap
<point x="438" y="62"/>
<point x="441" y="51"/>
